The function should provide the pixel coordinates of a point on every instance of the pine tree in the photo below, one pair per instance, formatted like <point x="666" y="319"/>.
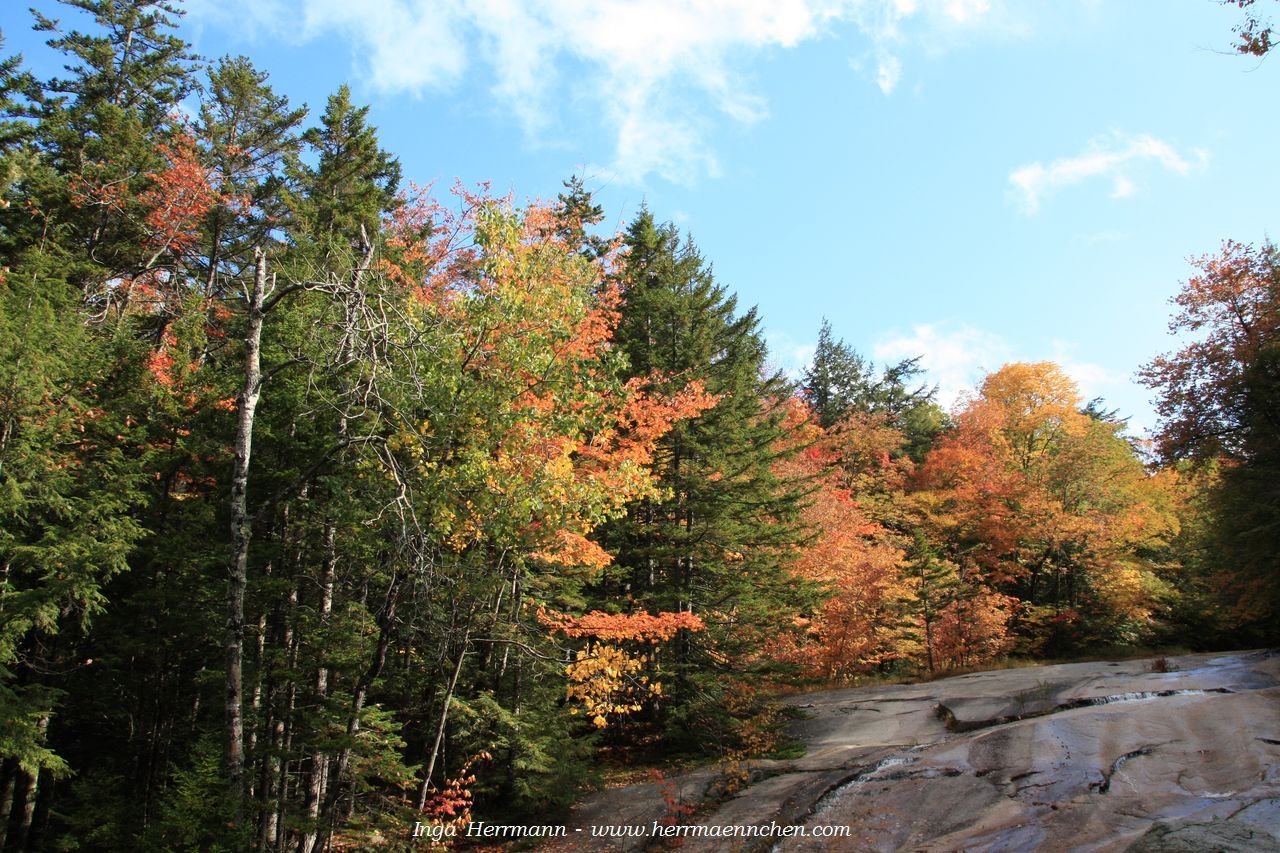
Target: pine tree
<point x="576" y="211"/>
<point x="934" y="584"/>
<point x="69" y="484"/>
<point x="73" y="453"/>
<point x="14" y="83"/>
<point x="99" y="128"/>
<point x="835" y="379"/>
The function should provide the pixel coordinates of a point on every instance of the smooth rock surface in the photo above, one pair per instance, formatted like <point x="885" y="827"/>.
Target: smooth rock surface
<point x="1104" y="756"/>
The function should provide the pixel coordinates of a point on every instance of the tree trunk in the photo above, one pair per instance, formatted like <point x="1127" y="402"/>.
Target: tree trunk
<point x="26" y="803"/>
<point x="387" y="618"/>
<point x="318" y="761"/>
<point x="9" y="775"/>
<point x="268" y="794"/>
<point x="444" y="718"/>
<point x="241" y="532"/>
<point x="286" y="735"/>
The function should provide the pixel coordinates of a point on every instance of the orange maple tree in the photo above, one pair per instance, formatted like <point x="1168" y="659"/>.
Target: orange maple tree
<point x="852" y="555"/>
<point x="605" y="679"/>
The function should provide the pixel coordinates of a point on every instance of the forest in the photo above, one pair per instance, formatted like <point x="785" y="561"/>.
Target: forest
<point x="330" y="503"/>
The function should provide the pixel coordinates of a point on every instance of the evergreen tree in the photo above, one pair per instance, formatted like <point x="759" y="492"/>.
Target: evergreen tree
<point x="716" y="545"/>
<point x="835" y="378"/>
<point x="839" y="382"/>
<point x="14" y="84"/>
<point x="576" y="211"/>
<point x="339" y="201"/>
<point x="934" y="584"/>
<point x="248" y="132"/>
<point x="75" y="154"/>
<point x="69" y="483"/>
<point x="1247" y="529"/>
<point x="99" y="131"/>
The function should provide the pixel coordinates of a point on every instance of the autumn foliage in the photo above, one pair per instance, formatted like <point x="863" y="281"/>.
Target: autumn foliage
<point x="330" y="504"/>
<point x="605" y="679"/>
<point x="856" y="558"/>
<point x="1030" y="526"/>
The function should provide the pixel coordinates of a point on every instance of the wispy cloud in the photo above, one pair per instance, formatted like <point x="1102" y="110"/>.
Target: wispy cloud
<point x="888" y="73"/>
<point x="789" y="355"/>
<point x="958" y="357"/>
<point x="1098" y="238"/>
<point x="655" y="73"/>
<point x="1093" y="379"/>
<point x="891" y="26"/>
<point x="955" y="357"/>
<point x="1117" y="158"/>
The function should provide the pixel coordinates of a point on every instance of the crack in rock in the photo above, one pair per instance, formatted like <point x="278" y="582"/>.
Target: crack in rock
<point x="1105" y="785"/>
<point x="955" y="724"/>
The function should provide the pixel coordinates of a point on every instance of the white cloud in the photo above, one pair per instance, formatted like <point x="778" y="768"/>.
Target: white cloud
<point x="1116" y="387"/>
<point x="427" y="39"/>
<point x="888" y="73"/>
<point x="958" y="357"/>
<point x="894" y="25"/>
<point x="954" y="357"/>
<point x="1093" y="379"/>
<point x="789" y="355"/>
<point x="1098" y="238"/>
<point x="1123" y="188"/>
<point x="654" y="72"/>
<point x="1114" y="157"/>
<point x="966" y="11"/>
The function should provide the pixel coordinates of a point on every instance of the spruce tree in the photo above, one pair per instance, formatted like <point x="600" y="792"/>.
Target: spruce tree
<point x="339" y="201"/>
<point x="576" y="211"/>
<point x="74" y="457"/>
<point x="934" y="584"/>
<point x="835" y="378"/>
<point x="99" y="129"/>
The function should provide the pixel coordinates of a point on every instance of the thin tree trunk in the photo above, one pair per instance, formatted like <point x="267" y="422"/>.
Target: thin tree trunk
<point x="269" y="771"/>
<point x="43" y="807"/>
<point x="286" y="736"/>
<point x="928" y="640"/>
<point x="241" y="532"/>
<point x="361" y="693"/>
<point x="386" y="621"/>
<point x="252" y="754"/>
<point x="318" y="762"/>
<point x="273" y="727"/>
<point x="444" y="718"/>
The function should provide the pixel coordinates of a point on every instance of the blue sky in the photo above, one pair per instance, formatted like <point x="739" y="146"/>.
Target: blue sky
<point x="974" y="181"/>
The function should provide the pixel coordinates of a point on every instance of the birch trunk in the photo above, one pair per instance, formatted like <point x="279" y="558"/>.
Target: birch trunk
<point x="241" y="533"/>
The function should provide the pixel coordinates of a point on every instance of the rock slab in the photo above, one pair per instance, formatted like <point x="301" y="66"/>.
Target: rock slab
<point x="1100" y="756"/>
